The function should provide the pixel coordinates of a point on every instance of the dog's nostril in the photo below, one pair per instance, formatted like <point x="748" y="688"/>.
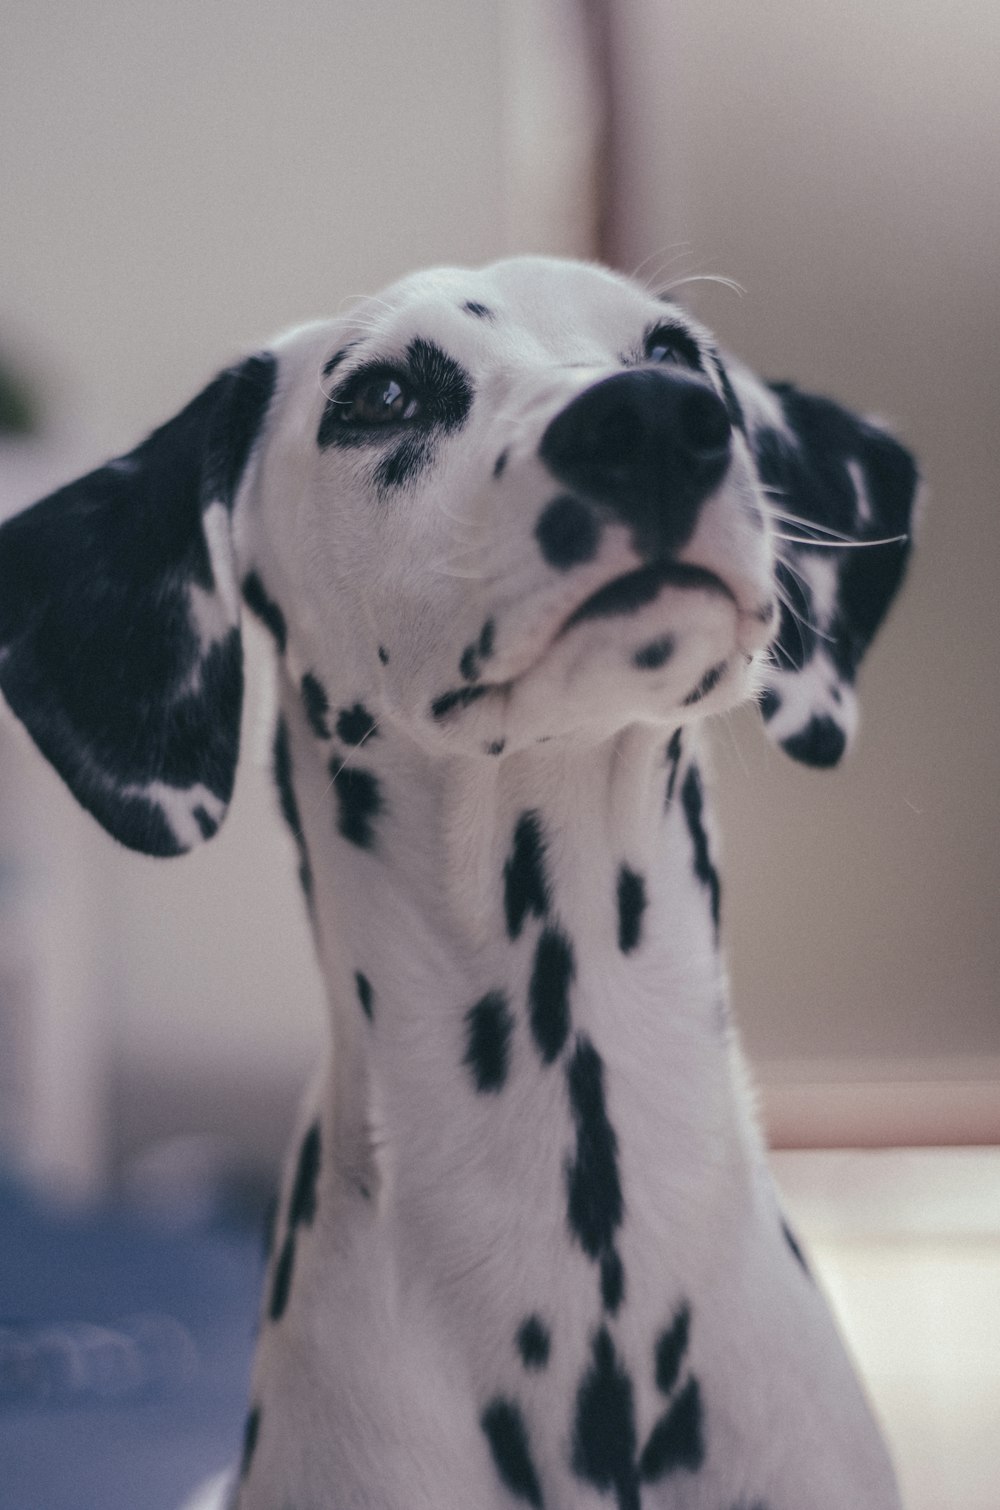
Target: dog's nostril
<point x="703" y="423"/>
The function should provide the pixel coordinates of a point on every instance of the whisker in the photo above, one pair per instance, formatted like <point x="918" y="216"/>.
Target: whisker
<point x="838" y="545"/>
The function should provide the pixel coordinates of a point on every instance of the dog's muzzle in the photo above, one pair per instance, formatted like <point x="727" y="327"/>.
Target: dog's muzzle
<point x="647" y="446"/>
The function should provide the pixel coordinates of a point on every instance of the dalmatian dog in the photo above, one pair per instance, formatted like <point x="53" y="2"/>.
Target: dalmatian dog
<point x="515" y="535"/>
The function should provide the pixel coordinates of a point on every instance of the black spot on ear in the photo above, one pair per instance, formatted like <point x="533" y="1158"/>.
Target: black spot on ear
<point x="769" y="702"/>
<point x="265" y="609"/>
<point x="281" y="1284"/>
<point x="507" y="1435"/>
<point x="691" y="798"/>
<point x="525" y="887"/>
<point x="486" y="636"/>
<point x="673" y="762"/>
<point x="302" y="1208"/>
<point x="534" y="1343"/>
<point x="677" y="1439"/>
<point x="251" y="1431"/>
<point x="207" y="825"/>
<point x="612" y="1282"/>
<point x="317" y="705"/>
<point x="488" y="1026"/>
<point x="355" y="725"/>
<point x="383" y="655"/>
<point x="548" y="993"/>
<point x="593" y="1186"/>
<point x="500" y="464"/>
<point x="604" y="1442"/>
<point x="359" y="803"/>
<point x="282" y="768"/>
<point x="708" y="683"/>
<point x="654" y="655"/>
<point x="468" y="665"/>
<point x="461" y="697"/>
<point x="820" y="743"/>
<point x="795" y="1248"/>
<point x="567" y="532"/>
<point x="631" y="906"/>
<point x="671" y="1350"/>
<point x="479" y="310"/>
<point x="364" y="994"/>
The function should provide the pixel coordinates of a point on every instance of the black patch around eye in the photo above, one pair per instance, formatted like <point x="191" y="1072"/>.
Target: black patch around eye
<point x="534" y="1343"/>
<point x="548" y="993"/>
<point x="317" y="705"/>
<point x="794" y="1248"/>
<point x="654" y="655"/>
<point x="265" y="609"/>
<point x="769" y="703"/>
<point x="631" y="906"/>
<point x="281" y="1284"/>
<point x="708" y="683"/>
<point x="733" y="406"/>
<point x="405" y="462"/>
<point x="446" y="387"/>
<point x="359" y="803"/>
<point x="676" y="344"/>
<point x="364" y="990"/>
<point x="355" y="725"/>
<point x="671" y="1350"/>
<point x="337" y="358"/>
<point x="503" y="1426"/>
<point x="677" y="1439"/>
<point x="604" y="1442"/>
<point x="596" y="1206"/>
<point x="693" y="802"/>
<point x="302" y="1208"/>
<point x="460" y="697"/>
<point x="821" y="743"/>
<point x="489" y="1025"/>
<point x="472" y="307"/>
<point x="251" y="1432"/>
<point x="612" y="1282"/>
<point x="524" y="883"/>
<point x="674" y="753"/>
<point x="567" y="533"/>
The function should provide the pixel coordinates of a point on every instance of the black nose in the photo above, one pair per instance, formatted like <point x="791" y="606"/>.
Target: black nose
<point x="649" y="445"/>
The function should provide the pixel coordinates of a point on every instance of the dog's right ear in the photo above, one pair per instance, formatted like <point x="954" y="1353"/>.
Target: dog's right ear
<point x="119" y="621"/>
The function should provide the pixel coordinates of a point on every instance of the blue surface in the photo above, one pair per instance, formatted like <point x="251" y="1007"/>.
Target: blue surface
<point x="124" y="1357"/>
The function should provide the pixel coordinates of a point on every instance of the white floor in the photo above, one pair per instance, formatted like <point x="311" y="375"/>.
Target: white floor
<point x="906" y="1244"/>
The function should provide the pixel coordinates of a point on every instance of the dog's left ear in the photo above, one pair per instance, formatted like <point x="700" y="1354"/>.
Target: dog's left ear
<point x="119" y="621"/>
<point x="834" y="482"/>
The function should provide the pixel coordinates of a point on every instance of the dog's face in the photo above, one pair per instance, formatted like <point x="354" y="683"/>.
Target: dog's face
<point x="494" y="507"/>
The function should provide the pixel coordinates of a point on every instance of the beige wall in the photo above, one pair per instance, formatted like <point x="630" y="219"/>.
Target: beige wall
<point x="840" y="160"/>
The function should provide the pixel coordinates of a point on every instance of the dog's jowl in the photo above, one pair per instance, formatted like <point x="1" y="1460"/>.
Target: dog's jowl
<point x="515" y="535"/>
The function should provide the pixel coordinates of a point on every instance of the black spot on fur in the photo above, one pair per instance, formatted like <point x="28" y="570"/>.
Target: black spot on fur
<point x="654" y="655"/>
<point x="795" y="1248"/>
<point x="673" y="762"/>
<point x="265" y="609"/>
<point x="677" y="1439"/>
<point x="567" y="532"/>
<point x="472" y="307"/>
<point x="671" y="1349"/>
<point x="496" y="747"/>
<point x="820" y="743"/>
<point x="468" y="665"/>
<point x="354" y="725"/>
<point x="593" y="1186"/>
<point x="383" y="655"/>
<point x="207" y="825"/>
<point x="461" y="697"/>
<point x="525" y="887"/>
<point x="631" y="906"/>
<point x="691" y="797"/>
<point x="359" y="803"/>
<point x="500" y="464"/>
<point x="335" y="361"/>
<point x="486" y="636"/>
<point x="504" y="1428"/>
<point x="282" y="768"/>
<point x="612" y="1282"/>
<point x="733" y="406"/>
<point x="604" y="1441"/>
<point x="769" y="702"/>
<point x="364" y="989"/>
<point x="628" y="594"/>
<point x="548" y="993"/>
<point x="302" y="1208"/>
<point x="317" y="705"/>
<point x="281" y="1284"/>
<point x="534" y="1343"/>
<point x="251" y="1431"/>
<point x="489" y="1025"/>
<point x="404" y="462"/>
<point x="708" y="683"/>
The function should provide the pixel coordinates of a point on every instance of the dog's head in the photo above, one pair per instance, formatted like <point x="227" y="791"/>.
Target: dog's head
<point x="490" y="507"/>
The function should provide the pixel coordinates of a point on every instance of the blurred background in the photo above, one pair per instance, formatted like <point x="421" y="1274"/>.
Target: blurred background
<point x="180" y="182"/>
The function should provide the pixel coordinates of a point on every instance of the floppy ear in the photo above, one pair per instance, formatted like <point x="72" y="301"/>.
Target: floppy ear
<point x="832" y="479"/>
<point x="119" y="621"/>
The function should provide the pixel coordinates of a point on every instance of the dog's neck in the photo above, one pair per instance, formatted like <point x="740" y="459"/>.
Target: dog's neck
<point x="570" y="889"/>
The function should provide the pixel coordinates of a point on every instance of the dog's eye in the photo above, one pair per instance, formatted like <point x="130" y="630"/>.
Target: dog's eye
<point x="384" y="399"/>
<point x="668" y="343"/>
